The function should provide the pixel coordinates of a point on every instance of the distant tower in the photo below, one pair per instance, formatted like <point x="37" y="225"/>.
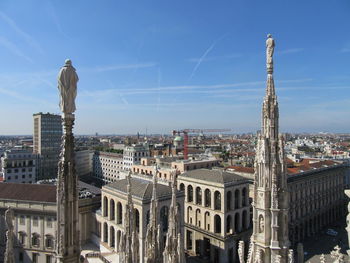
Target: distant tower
<point x="67" y="245"/>
<point x="47" y="143"/>
<point x="270" y="207"/>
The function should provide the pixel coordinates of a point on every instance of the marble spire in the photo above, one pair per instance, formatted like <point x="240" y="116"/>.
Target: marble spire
<point x="270" y="207"/>
<point x="129" y="248"/>
<point x="173" y="252"/>
<point x="152" y="243"/>
<point x="9" y="253"/>
<point x="67" y="245"/>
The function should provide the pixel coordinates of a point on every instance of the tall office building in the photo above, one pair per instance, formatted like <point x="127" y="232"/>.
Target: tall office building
<point x="47" y="143"/>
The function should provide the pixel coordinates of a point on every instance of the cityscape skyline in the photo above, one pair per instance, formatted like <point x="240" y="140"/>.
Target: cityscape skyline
<point x="169" y="66"/>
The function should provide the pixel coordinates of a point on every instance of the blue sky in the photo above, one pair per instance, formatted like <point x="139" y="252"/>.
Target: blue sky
<point x="164" y="65"/>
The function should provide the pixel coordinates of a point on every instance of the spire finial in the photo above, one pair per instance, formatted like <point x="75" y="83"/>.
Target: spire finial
<point x="270" y="46"/>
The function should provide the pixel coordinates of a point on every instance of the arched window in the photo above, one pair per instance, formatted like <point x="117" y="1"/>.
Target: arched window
<point x="105" y="232"/>
<point x="147" y="217"/>
<point x="207" y="198"/>
<point x="198" y="196"/>
<point x="228" y="224"/>
<point x="228" y="200"/>
<point x="105" y="206"/>
<point x="244" y="197"/>
<point x="217" y="197"/>
<point x="207" y="221"/>
<point x="112" y="239"/>
<point x="118" y="239"/>
<point x="189" y="215"/>
<point x="198" y="218"/>
<point x="137" y="219"/>
<point x="217" y="223"/>
<point x="112" y="209"/>
<point x="244" y="220"/>
<point x="35" y="240"/>
<point x="182" y="187"/>
<point x="49" y="241"/>
<point x="164" y="214"/>
<point x="237" y="223"/>
<point x="119" y="213"/>
<point x="236" y="199"/>
<point x="189" y="193"/>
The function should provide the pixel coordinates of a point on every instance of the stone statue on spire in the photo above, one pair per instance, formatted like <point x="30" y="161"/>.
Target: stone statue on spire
<point x="67" y="85"/>
<point x="270" y="47"/>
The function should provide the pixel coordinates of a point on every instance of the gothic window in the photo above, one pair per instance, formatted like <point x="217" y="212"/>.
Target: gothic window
<point x="217" y="197"/>
<point x="217" y="224"/>
<point x="198" y="196"/>
<point x="189" y="215"/>
<point x="190" y="193"/>
<point x="207" y="198"/>
<point x="228" y="200"/>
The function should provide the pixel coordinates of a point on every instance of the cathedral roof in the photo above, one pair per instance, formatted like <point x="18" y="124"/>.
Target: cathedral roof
<point x="214" y="176"/>
<point x="140" y="188"/>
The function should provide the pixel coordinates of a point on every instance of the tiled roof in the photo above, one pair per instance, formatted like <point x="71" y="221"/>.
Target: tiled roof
<point x="242" y="169"/>
<point x="140" y="188"/>
<point x="28" y="192"/>
<point x="215" y="176"/>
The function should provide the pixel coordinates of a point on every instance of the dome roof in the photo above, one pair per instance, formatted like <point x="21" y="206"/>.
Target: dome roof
<point x="178" y="139"/>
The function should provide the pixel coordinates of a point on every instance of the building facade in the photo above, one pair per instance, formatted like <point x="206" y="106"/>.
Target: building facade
<point x="108" y="167"/>
<point x="35" y="219"/>
<point x="84" y="162"/>
<point x="217" y="214"/>
<point x="47" y="144"/>
<point x="132" y="155"/>
<point x="18" y="166"/>
<point x="111" y="218"/>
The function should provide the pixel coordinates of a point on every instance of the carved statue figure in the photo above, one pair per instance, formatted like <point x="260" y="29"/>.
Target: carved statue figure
<point x="270" y="47"/>
<point x="67" y="85"/>
<point x="261" y="223"/>
<point x="9" y="253"/>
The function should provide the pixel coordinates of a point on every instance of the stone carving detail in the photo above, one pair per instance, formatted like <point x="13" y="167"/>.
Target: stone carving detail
<point x="337" y="255"/>
<point x="152" y="243"/>
<point x="9" y="253"/>
<point x="129" y="247"/>
<point x="322" y="259"/>
<point x="241" y="251"/>
<point x="291" y="256"/>
<point x="67" y="85"/>
<point x="172" y="252"/>
<point x="347" y="192"/>
<point x="67" y="245"/>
